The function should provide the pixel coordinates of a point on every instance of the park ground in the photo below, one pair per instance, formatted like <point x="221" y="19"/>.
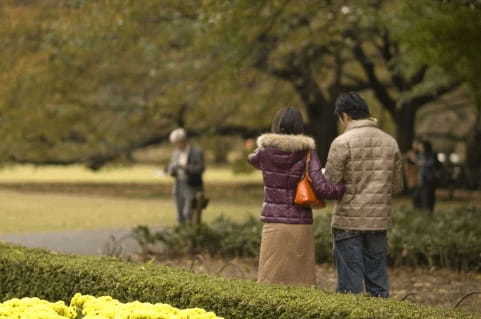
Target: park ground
<point x="73" y="199"/>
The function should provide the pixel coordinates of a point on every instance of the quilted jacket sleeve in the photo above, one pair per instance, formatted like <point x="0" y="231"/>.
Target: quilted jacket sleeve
<point x="336" y="161"/>
<point x="323" y="188"/>
<point x="255" y="158"/>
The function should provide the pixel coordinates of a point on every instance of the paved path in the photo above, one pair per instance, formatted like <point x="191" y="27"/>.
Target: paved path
<point x="116" y="242"/>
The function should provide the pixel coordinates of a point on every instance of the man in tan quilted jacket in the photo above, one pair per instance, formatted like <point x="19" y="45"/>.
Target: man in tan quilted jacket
<point x="367" y="160"/>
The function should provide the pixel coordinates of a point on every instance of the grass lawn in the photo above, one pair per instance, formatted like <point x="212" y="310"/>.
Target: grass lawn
<point x="62" y="198"/>
<point x="127" y="174"/>
<point x="31" y="212"/>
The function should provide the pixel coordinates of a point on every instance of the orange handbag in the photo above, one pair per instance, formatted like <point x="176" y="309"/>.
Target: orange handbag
<point x="305" y="195"/>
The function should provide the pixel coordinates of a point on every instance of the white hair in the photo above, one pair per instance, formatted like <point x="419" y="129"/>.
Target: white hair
<point x="178" y="135"/>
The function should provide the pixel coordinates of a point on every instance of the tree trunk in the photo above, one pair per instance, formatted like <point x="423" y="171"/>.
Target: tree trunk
<point x="324" y="130"/>
<point x="405" y="119"/>
<point x="321" y="124"/>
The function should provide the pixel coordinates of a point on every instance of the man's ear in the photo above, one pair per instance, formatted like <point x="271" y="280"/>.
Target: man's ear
<point x="345" y="117"/>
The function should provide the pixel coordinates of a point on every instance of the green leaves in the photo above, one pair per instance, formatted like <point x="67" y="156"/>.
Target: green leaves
<point x="33" y="272"/>
<point x="85" y="80"/>
<point x="449" y="239"/>
<point x="446" y="34"/>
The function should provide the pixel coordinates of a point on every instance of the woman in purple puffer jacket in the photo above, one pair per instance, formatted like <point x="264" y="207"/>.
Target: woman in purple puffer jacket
<point x="287" y="248"/>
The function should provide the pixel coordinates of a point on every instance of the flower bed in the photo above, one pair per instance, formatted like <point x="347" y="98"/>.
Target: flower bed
<point x="89" y="307"/>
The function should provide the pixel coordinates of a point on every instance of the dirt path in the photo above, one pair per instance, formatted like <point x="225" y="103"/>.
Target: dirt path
<point x="113" y="242"/>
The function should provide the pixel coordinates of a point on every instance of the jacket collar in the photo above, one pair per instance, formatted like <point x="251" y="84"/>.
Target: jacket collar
<point x="287" y="143"/>
<point x="371" y="122"/>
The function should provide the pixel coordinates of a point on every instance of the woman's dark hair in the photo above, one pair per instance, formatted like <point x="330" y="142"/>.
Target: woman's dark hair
<point x="427" y="147"/>
<point x="288" y="120"/>
<point x="353" y="105"/>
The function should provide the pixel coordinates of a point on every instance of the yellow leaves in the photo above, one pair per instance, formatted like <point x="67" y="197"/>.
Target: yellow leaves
<point x="89" y="307"/>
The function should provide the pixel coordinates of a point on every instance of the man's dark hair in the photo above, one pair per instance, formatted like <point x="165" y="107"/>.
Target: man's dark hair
<point x="353" y="105"/>
<point x="288" y="120"/>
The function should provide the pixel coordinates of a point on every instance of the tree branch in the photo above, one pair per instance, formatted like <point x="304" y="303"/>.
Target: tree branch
<point x="378" y="87"/>
<point x="418" y="101"/>
<point x="388" y="50"/>
<point x="355" y="87"/>
<point x="97" y="161"/>
<point x="418" y="77"/>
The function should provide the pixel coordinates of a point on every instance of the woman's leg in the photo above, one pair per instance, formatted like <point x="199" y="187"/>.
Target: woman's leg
<point x="287" y="255"/>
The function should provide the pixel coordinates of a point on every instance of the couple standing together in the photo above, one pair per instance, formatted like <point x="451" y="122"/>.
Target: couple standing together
<point x="362" y="173"/>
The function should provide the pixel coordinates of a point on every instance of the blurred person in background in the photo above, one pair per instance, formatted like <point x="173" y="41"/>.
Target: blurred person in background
<point x="187" y="167"/>
<point x="411" y="171"/>
<point x="429" y="177"/>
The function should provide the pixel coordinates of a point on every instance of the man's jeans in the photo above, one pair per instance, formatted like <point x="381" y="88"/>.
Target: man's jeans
<point x="361" y="262"/>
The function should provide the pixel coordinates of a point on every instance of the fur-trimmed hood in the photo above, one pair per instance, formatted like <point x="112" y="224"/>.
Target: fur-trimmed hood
<point x="287" y="143"/>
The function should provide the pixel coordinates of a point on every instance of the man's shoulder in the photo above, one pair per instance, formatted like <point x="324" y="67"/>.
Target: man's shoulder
<point x="341" y="139"/>
<point x="389" y="139"/>
<point x="195" y="150"/>
<point x="345" y="139"/>
<point x="375" y="133"/>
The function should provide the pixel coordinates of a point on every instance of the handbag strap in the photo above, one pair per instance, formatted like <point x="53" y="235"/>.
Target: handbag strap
<point x="308" y="161"/>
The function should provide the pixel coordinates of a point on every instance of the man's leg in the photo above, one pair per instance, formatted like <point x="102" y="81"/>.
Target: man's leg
<point x="427" y="196"/>
<point x="431" y="198"/>
<point x="199" y="203"/>
<point x="180" y="203"/>
<point x="375" y="263"/>
<point x="189" y="197"/>
<point x="416" y="197"/>
<point x="349" y="263"/>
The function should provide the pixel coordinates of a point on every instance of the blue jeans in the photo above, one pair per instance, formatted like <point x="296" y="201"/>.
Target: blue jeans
<point x="361" y="262"/>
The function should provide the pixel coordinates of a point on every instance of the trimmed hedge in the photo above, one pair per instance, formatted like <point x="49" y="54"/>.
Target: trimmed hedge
<point x="34" y="272"/>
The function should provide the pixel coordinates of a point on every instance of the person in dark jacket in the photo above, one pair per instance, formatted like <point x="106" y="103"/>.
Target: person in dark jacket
<point x="186" y="166"/>
<point x="429" y="168"/>
<point x="287" y="247"/>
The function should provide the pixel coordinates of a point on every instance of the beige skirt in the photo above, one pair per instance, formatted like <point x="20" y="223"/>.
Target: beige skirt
<point x="287" y="255"/>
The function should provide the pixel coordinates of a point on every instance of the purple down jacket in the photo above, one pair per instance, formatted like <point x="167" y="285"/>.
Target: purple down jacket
<point x="282" y="159"/>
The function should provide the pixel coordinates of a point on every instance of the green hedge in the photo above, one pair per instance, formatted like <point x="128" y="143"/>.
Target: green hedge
<point x="33" y="272"/>
<point x="448" y="239"/>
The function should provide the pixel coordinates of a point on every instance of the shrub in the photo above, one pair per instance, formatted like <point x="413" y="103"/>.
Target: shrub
<point x="34" y="272"/>
<point x="222" y="237"/>
<point x="448" y="239"/>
